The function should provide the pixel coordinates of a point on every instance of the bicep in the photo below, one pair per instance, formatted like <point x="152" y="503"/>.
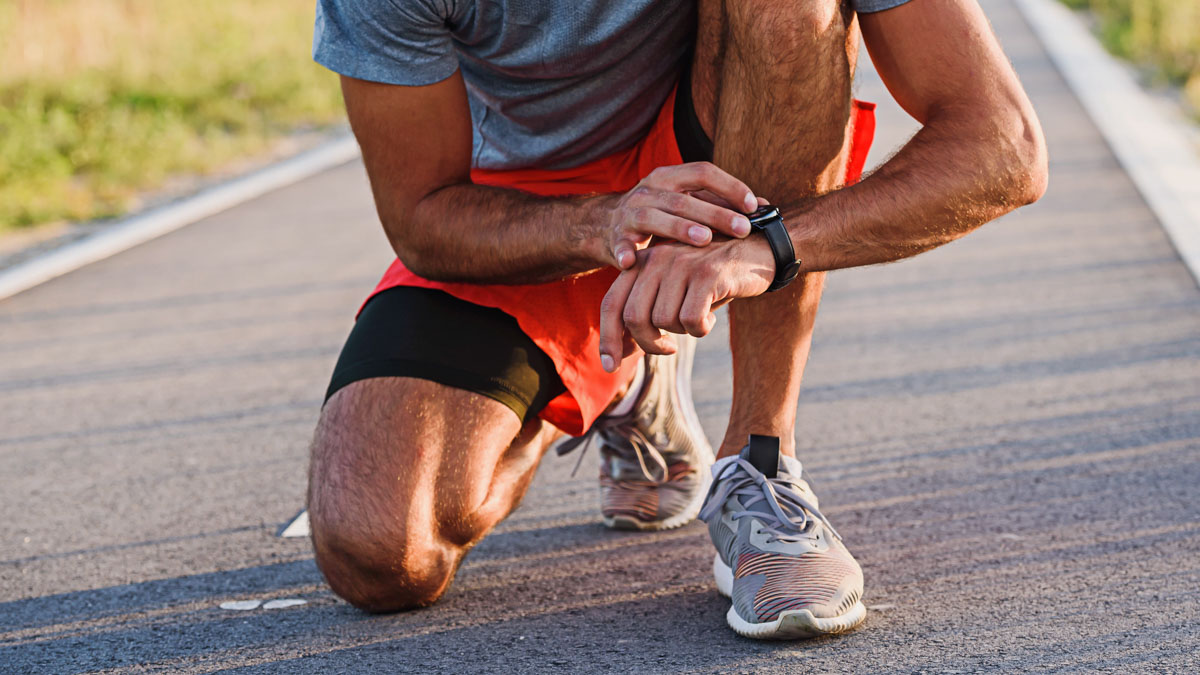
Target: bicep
<point x="414" y="140"/>
<point x="939" y="54"/>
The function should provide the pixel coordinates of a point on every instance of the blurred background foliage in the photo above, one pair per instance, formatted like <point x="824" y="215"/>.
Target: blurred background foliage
<point x="1162" y="35"/>
<point x="103" y="99"/>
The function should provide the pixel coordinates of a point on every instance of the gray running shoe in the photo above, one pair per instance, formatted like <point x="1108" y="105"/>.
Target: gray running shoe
<point x="778" y="558"/>
<point x="654" y="461"/>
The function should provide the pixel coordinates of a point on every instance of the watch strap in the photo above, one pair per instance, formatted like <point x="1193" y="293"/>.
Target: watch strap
<point x="768" y="221"/>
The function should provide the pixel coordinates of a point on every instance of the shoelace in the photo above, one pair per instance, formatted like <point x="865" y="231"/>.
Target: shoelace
<point x="626" y="427"/>
<point x="791" y="515"/>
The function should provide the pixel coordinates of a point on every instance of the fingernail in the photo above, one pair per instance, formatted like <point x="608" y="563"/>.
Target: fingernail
<point x="750" y="202"/>
<point x="624" y="259"/>
<point x="606" y="362"/>
<point x="741" y="225"/>
<point x="699" y="234"/>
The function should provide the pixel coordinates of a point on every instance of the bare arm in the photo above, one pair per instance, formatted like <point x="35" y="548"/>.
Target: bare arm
<point x="979" y="154"/>
<point x="416" y="144"/>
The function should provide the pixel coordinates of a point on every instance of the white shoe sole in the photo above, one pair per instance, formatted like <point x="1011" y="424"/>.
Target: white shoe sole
<point x="683" y="390"/>
<point x="794" y="624"/>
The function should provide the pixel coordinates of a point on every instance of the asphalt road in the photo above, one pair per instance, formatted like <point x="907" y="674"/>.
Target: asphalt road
<point x="1006" y="431"/>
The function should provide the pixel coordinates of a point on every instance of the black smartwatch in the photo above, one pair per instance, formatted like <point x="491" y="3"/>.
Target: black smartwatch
<point x="768" y="221"/>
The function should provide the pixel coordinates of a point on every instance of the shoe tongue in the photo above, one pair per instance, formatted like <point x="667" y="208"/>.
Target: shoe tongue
<point x="763" y="454"/>
<point x="790" y="466"/>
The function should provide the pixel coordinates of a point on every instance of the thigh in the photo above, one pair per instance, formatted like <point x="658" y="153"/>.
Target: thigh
<point x="772" y="79"/>
<point x="423" y="333"/>
<point x="426" y="405"/>
<point x="770" y="29"/>
<point x="720" y="22"/>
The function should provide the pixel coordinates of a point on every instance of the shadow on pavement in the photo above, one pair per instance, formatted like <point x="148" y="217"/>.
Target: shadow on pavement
<point x="630" y="599"/>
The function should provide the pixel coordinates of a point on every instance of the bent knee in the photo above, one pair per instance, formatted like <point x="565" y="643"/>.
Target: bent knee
<point x="792" y="25"/>
<point x="383" y="574"/>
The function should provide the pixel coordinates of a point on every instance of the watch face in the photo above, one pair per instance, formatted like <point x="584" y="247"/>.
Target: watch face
<point x="763" y="213"/>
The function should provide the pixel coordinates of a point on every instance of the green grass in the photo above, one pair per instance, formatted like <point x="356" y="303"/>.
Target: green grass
<point x="1161" y="35"/>
<point x="101" y="100"/>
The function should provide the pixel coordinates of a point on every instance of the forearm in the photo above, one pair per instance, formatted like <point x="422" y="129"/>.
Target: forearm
<point x="483" y="234"/>
<point x="475" y="233"/>
<point x="956" y="174"/>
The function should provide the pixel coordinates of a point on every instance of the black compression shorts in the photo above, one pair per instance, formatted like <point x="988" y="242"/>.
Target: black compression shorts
<point x="432" y="335"/>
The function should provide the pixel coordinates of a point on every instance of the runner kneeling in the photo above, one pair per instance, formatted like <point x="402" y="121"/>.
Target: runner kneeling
<point x="523" y="155"/>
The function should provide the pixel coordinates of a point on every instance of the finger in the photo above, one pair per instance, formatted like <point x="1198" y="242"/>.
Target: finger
<point x="715" y="200"/>
<point x="637" y="315"/>
<point x="671" y="291"/>
<point x="612" y="326"/>
<point x="696" y="310"/>
<point x="707" y="176"/>
<point x="697" y="210"/>
<point x="762" y="201"/>
<point x="721" y="303"/>
<point x="657" y="220"/>
<point x="629" y="345"/>
<point x="624" y="253"/>
<point x="669" y="345"/>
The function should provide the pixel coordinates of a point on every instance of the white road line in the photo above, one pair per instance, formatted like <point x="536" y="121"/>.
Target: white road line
<point x="284" y="602"/>
<point x="157" y="222"/>
<point x="298" y="527"/>
<point x="1153" y="147"/>
<point x="240" y="605"/>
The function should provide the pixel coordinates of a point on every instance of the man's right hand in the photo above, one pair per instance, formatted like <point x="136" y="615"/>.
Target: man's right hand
<point x="416" y="144"/>
<point x="684" y="203"/>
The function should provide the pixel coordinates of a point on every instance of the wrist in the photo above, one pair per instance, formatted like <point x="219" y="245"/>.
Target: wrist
<point x="756" y="256"/>
<point x="589" y="236"/>
<point x="768" y="222"/>
<point x="808" y="228"/>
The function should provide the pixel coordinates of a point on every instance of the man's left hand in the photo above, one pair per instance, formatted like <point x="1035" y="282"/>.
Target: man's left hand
<point x="675" y="288"/>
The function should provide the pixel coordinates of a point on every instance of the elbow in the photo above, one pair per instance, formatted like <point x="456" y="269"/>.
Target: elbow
<point x="422" y="266"/>
<point x="1033" y="176"/>
<point x="1029" y="171"/>
<point x="417" y="261"/>
<point x="416" y="265"/>
<point x="415" y="238"/>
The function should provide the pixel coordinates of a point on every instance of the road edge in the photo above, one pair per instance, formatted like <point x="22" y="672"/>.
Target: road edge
<point x="138" y="229"/>
<point x="1153" y="147"/>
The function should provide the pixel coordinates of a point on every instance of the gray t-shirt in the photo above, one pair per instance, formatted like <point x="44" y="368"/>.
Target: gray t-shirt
<point x="551" y="83"/>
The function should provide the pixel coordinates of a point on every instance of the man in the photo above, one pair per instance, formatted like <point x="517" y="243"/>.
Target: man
<point x="524" y="154"/>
